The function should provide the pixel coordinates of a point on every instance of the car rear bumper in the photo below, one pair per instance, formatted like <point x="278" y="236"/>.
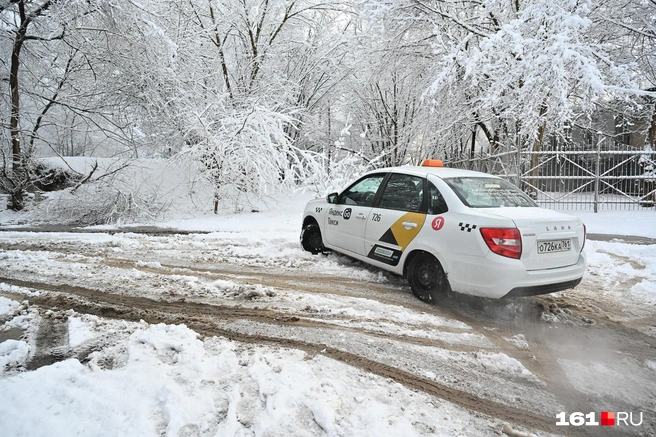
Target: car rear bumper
<point x="499" y="277"/>
<point x="542" y="289"/>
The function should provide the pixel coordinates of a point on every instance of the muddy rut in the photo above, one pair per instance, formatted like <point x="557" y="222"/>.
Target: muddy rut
<point x="200" y="317"/>
<point x="540" y="349"/>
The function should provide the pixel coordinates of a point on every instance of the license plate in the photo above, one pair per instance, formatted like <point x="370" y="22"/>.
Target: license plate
<point x="554" y="246"/>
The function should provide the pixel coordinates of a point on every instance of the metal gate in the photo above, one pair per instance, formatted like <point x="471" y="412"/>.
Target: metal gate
<point x="597" y="179"/>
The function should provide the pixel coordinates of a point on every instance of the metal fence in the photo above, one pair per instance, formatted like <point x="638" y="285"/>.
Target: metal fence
<point x="597" y="179"/>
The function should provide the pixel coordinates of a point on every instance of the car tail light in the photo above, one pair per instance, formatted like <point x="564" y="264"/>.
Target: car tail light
<point x="585" y="236"/>
<point x="503" y="241"/>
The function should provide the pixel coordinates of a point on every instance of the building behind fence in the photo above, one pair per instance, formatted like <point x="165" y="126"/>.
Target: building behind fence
<point x="608" y="176"/>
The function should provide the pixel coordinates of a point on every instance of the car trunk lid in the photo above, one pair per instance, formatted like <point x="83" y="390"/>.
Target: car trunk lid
<point x="549" y="239"/>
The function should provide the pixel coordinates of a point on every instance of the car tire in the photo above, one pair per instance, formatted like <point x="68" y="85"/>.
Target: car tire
<point x="311" y="239"/>
<point x="427" y="278"/>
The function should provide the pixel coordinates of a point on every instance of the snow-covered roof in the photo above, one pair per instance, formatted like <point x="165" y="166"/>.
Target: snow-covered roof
<point x="441" y="172"/>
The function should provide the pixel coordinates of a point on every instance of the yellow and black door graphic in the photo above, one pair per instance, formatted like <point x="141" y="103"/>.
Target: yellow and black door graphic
<point x="390" y="246"/>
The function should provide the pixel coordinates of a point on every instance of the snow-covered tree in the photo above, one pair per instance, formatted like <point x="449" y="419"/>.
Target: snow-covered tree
<point x="261" y="91"/>
<point x="515" y="69"/>
<point x="628" y="29"/>
<point x="229" y="82"/>
<point x="61" y="99"/>
<point x="17" y="22"/>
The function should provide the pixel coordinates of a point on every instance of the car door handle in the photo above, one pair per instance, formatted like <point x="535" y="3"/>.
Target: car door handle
<point x="409" y="225"/>
<point x="361" y="216"/>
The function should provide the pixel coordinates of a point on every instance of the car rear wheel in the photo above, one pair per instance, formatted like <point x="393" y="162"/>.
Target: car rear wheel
<point x="311" y="239"/>
<point x="427" y="278"/>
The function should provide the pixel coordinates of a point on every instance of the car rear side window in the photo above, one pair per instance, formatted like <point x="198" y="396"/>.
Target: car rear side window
<point x="404" y="193"/>
<point x="482" y="192"/>
<point x="436" y="203"/>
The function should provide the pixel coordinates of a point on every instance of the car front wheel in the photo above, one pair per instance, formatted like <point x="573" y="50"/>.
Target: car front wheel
<point x="427" y="278"/>
<point x="311" y="239"/>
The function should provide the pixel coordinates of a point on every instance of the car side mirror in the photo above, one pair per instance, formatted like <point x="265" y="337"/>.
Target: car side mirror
<point x="331" y="198"/>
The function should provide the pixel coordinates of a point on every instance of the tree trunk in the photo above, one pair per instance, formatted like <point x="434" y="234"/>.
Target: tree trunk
<point x="535" y="159"/>
<point x="16" y="201"/>
<point x="492" y="137"/>
<point x="14" y="121"/>
<point x="19" y="176"/>
<point x="537" y="146"/>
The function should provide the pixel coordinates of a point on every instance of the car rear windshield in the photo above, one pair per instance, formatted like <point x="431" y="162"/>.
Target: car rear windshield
<point x="481" y="192"/>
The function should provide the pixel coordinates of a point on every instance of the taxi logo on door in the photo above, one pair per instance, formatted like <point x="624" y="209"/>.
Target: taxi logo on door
<point x="437" y="223"/>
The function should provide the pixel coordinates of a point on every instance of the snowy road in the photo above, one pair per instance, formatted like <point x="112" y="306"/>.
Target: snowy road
<point x="509" y="363"/>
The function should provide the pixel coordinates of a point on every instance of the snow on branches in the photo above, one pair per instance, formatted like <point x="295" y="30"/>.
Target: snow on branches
<point x="535" y="66"/>
<point x="524" y="65"/>
<point x="245" y="150"/>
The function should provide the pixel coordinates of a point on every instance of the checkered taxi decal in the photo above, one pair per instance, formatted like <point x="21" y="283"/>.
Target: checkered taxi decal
<point x="466" y="227"/>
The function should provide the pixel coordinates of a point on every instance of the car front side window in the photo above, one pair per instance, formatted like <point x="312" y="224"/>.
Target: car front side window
<point x="363" y="192"/>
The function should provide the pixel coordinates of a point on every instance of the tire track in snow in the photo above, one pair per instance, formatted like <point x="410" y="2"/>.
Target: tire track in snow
<point x="541" y="364"/>
<point x="199" y="317"/>
<point x="293" y="281"/>
<point x="239" y="310"/>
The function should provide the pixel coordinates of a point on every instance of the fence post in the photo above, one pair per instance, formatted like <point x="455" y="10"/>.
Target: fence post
<point x="518" y="166"/>
<point x="597" y="177"/>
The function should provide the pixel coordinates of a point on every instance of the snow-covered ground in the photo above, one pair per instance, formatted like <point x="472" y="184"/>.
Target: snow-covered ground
<point x="640" y="223"/>
<point x="164" y="379"/>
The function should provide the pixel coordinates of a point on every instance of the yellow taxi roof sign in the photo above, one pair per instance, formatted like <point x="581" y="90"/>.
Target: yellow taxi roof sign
<point x="432" y="163"/>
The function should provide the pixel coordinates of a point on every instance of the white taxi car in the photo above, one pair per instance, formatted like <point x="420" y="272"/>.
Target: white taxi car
<point x="449" y="229"/>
